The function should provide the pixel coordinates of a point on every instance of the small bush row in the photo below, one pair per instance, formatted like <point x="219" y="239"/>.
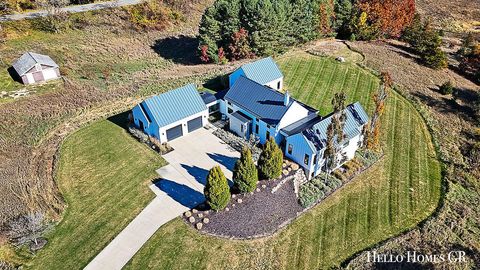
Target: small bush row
<point x="317" y="189"/>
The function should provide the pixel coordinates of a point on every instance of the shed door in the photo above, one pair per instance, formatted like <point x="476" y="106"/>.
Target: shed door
<point x="38" y="76"/>
<point x="194" y="124"/>
<point x="174" y="132"/>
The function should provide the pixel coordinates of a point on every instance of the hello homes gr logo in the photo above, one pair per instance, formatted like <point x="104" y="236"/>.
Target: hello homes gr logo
<point x="456" y="256"/>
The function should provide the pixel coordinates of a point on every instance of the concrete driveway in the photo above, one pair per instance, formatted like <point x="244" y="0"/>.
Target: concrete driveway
<point x="179" y="188"/>
<point x="194" y="155"/>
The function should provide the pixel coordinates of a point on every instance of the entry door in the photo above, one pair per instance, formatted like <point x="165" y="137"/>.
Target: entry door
<point x="174" y="132"/>
<point x="194" y="124"/>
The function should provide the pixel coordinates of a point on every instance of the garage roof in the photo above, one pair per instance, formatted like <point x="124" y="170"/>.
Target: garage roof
<point x="28" y="60"/>
<point x="174" y="105"/>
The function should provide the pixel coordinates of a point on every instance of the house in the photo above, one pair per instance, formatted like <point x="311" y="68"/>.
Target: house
<point x="264" y="71"/>
<point x="306" y="140"/>
<point x="34" y="68"/>
<point x="172" y="114"/>
<point x="253" y="108"/>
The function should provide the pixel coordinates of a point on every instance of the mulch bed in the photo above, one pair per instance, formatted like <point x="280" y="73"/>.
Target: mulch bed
<point x="251" y="215"/>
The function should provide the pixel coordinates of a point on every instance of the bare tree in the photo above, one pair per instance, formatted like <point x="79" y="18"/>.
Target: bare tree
<point x="27" y="229"/>
<point x="335" y="134"/>
<point x="56" y="18"/>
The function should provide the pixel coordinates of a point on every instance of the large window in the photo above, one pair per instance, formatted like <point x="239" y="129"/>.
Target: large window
<point x="230" y="110"/>
<point x="267" y="135"/>
<point x="290" y="149"/>
<point x="306" y="159"/>
<point x="256" y="128"/>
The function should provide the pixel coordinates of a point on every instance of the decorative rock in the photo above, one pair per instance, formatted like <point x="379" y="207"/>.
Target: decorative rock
<point x="206" y="220"/>
<point x="284" y="165"/>
<point x="207" y="212"/>
<point x="287" y="162"/>
<point x="295" y="166"/>
<point x="227" y="209"/>
<point x="200" y="215"/>
<point x="199" y="225"/>
<point x="188" y="214"/>
<point x="289" y="169"/>
<point x="239" y="200"/>
<point x="285" y="172"/>
<point x="233" y="196"/>
<point x="191" y="219"/>
<point x="233" y="205"/>
<point x="194" y="211"/>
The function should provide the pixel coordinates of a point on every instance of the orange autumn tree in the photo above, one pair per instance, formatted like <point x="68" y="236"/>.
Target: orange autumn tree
<point x="372" y="132"/>
<point x="388" y="17"/>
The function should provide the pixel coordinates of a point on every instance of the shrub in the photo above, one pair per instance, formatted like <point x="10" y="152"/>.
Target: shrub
<point x="217" y="191"/>
<point x="245" y="174"/>
<point x="446" y="88"/>
<point x="270" y="161"/>
<point x="152" y="15"/>
<point x="317" y="189"/>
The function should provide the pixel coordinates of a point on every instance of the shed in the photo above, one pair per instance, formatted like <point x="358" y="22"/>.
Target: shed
<point x="172" y="114"/>
<point x="34" y="68"/>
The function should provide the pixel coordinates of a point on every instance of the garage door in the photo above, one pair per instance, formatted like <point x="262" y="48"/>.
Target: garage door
<point x="174" y="132"/>
<point x="194" y="124"/>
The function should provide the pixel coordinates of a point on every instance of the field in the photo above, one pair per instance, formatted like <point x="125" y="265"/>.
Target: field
<point x="392" y="196"/>
<point x="104" y="175"/>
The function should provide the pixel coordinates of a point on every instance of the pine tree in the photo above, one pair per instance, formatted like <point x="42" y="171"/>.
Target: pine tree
<point x="217" y="191"/>
<point x="245" y="174"/>
<point x="270" y="160"/>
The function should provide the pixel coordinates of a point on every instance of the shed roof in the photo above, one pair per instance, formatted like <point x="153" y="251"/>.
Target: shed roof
<point x="174" y="105"/>
<point x="262" y="71"/>
<point x="259" y="100"/>
<point x="316" y="135"/>
<point x="28" y="60"/>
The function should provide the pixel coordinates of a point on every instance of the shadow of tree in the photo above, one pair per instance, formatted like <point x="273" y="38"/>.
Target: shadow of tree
<point x="198" y="173"/>
<point x="180" y="49"/>
<point x="181" y="193"/>
<point x="447" y="106"/>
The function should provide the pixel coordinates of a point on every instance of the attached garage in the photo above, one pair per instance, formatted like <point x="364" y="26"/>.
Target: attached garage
<point x="194" y="124"/>
<point x="172" y="114"/>
<point x="175" y="132"/>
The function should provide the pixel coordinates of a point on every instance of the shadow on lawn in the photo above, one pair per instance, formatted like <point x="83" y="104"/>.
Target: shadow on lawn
<point x="183" y="194"/>
<point x="180" y="50"/>
<point x="120" y="119"/>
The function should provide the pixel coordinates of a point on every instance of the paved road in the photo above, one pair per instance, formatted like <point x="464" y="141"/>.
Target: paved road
<point x="70" y="9"/>
<point x="180" y="189"/>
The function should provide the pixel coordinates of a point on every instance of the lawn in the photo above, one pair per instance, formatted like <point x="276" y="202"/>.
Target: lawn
<point x="105" y="187"/>
<point x="394" y="195"/>
<point x="104" y="175"/>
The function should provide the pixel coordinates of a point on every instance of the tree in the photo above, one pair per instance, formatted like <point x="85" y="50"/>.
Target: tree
<point x="470" y="57"/>
<point x="335" y="134"/>
<point x="384" y="18"/>
<point x="27" y="229"/>
<point x="446" y="88"/>
<point x="343" y="14"/>
<point x="372" y="133"/>
<point x="245" y="174"/>
<point x="240" y="47"/>
<point x="270" y="160"/>
<point x="217" y="191"/>
<point x="426" y="42"/>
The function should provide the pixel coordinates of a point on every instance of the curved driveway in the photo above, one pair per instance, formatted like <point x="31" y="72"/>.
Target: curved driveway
<point x="70" y="9"/>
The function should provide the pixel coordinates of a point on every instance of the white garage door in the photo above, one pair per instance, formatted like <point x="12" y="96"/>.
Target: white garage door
<point x="49" y="74"/>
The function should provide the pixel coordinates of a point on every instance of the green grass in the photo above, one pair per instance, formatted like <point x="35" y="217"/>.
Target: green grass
<point x="104" y="184"/>
<point x="394" y="195"/>
<point x="104" y="175"/>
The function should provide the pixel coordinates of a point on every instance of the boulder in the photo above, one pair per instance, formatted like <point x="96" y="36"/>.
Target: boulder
<point x="188" y="214"/>
<point x="285" y="172"/>
<point x="199" y="225"/>
<point x="295" y="166"/>
<point x="206" y="220"/>
<point x="239" y="200"/>
<point x="200" y="215"/>
<point x="191" y="219"/>
<point x="194" y="211"/>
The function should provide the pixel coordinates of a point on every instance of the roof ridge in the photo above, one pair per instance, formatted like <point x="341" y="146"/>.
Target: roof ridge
<point x="266" y="87"/>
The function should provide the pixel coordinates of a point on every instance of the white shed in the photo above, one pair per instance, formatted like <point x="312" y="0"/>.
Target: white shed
<point x="34" y="68"/>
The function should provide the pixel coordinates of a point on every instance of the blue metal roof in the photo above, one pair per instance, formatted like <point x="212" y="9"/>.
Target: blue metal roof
<point x="261" y="101"/>
<point x="208" y="97"/>
<point x="316" y="135"/>
<point x="262" y="71"/>
<point x="174" y="105"/>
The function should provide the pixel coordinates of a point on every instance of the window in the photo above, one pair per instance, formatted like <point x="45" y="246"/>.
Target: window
<point x="306" y="159"/>
<point x="314" y="159"/>
<point x="229" y="103"/>
<point x="241" y="128"/>
<point x="267" y="135"/>
<point x="256" y="128"/>
<point x="278" y="85"/>
<point x="230" y="110"/>
<point x="290" y="149"/>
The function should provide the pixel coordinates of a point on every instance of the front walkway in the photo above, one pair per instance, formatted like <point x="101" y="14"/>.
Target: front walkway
<point x="179" y="189"/>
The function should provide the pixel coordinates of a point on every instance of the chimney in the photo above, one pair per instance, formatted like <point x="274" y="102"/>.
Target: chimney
<point x="286" y="99"/>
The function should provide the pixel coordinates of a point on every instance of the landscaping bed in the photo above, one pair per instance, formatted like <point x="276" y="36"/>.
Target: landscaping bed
<point x="250" y="215"/>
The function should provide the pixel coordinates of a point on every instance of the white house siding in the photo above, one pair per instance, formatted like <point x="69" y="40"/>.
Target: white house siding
<point x="162" y="131"/>
<point x="29" y="78"/>
<point x="49" y="74"/>
<point x="275" y="84"/>
<point x="293" y="114"/>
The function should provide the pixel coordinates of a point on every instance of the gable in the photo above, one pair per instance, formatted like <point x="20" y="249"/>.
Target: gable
<point x="293" y="114"/>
